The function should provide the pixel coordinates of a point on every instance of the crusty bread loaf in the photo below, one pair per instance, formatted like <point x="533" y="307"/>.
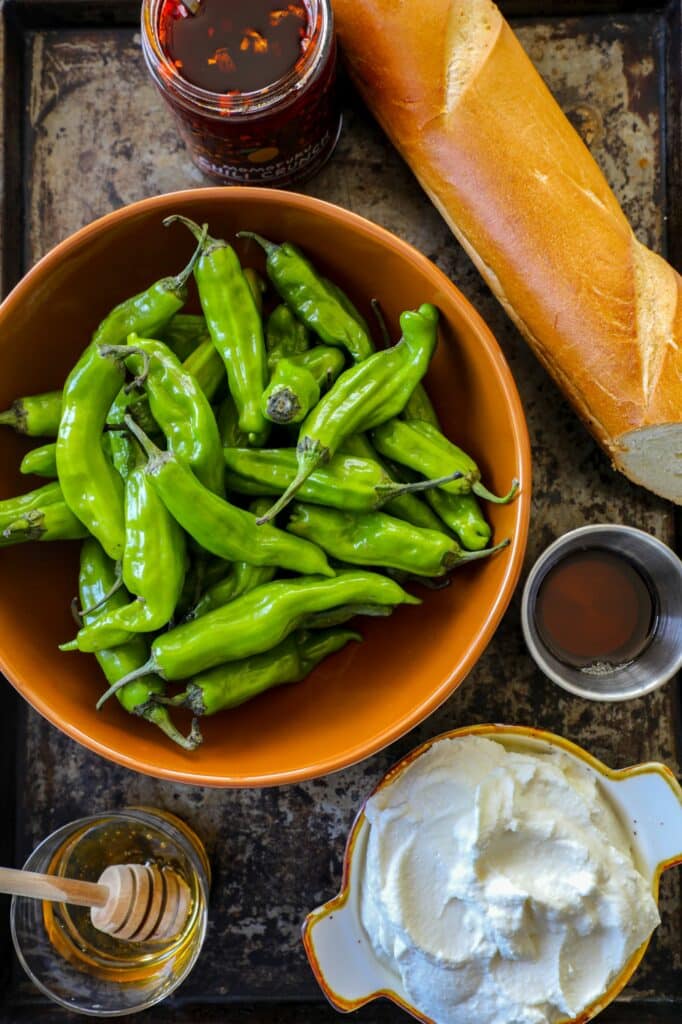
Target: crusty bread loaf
<point x="457" y="95"/>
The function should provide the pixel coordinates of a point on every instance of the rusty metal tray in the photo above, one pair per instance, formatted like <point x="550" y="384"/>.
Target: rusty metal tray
<point x="83" y="132"/>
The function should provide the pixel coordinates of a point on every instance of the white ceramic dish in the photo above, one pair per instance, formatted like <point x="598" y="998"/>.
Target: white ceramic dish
<point x="647" y="798"/>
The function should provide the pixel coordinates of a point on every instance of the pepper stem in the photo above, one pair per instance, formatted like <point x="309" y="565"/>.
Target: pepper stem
<point x="182" y="278"/>
<point x="310" y="454"/>
<point x="180" y="700"/>
<point x="121" y="353"/>
<point x="195" y="733"/>
<point x="381" y="320"/>
<point x="429" y="582"/>
<point x="80" y="613"/>
<point x="473" y="556"/>
<point x="282" y="405"/>
<point x="75" y="613"/>
<point x="148" y="669"/>
<point x="202" y="605"/>
<point x="29" y="526"/>
<point x="387" y="492"/>
<point x="337" y="616"/>
<point x="196" y="229"/>
<point x="150" y="449"/>
<point x="270" y="247"/>
<point x="9" y="418"/>
<point x="192" y="698"/>
<point x="159" y="716"/>
<point x="487" y="495"/>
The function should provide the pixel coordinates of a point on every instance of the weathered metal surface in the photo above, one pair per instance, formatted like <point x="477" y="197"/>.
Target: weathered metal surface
<point x="381" y="1012"/>
<point x="98" y="136"/>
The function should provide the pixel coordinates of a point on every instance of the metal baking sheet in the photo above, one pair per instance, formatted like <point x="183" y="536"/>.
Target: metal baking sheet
<point x="84" y="132"/>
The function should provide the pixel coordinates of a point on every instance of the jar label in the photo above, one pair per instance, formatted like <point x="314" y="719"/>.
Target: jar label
<point x="272" y="168"/>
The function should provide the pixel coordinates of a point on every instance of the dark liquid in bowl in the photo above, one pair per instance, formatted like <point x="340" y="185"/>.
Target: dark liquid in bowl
<point x="595" y="609"/>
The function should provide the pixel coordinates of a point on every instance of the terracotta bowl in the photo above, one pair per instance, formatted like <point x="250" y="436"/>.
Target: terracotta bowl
<point x="369" y="694"/>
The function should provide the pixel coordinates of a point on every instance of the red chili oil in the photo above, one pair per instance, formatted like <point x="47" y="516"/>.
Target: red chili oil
<point x="234" y="46"/>
<point x="250" y="82"/>
<point x="594" y="607"/>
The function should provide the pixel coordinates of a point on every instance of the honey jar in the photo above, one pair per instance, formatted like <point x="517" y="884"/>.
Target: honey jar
<point x="87" y="970"/>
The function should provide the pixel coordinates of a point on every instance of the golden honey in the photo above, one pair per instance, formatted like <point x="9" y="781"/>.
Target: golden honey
<point x="136" y="836"/>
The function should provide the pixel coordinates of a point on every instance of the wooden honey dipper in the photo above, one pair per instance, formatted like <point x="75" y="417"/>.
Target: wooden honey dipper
<point x="129" y="901"/>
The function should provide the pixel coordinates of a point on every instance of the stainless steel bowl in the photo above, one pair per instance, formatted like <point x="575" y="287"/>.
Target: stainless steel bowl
<point x="660" y="660"/>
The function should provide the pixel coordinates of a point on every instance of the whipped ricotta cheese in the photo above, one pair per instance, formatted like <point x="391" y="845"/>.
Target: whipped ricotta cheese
<point x="501" y="885"/>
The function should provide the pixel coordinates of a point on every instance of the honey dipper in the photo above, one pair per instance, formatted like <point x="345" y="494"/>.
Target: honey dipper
<point x="129" y="901"/>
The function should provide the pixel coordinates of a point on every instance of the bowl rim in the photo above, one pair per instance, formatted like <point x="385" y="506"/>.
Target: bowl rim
<point x="514" y="554"/>
<point x="486" y="731"/>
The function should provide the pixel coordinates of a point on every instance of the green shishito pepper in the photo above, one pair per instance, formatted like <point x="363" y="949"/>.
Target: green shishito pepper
<point x="407" y="506"/>
<point x="40" y="461"/>
<point x="214" y="569"/>
<point x="35" y="415"/>
<point x="92" y="488"/>
<point x="201" y="361"/>
<point x="421" y="446"/>
<point x="317" y="303"/>
<point x="297" y="382"/>
<point x="228" y="424"/>
<point x="420" y="407"/>
<point x="12" y="509"/>
<point x="461" y="513"/>
<point x="257" y="286"/>
<point x="228" y="686"/>
<point x="285" y="336"/>
<point x="235" y="326"/>
<point x="53" y="522"/>
<point x="346" y="482"/>
<point x="241" y="578"/>
<point x="365" y="395"/>
<point x="258" y="621"/>
<point x="121" y="449"/>
<point x="184" y="334"/>
<point x="200" y="566"/>
<point x="206" y="366"/>
<point x="219" y="527"/>
<point x="374" y="538"/>
<point x="96" y="582"/>
<point x="178" y="405"/>
<point x="153" y="569"/>
<point x="204" y="363"/>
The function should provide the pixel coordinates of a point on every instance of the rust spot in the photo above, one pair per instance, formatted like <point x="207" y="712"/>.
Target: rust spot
<point x="86" y="161"/>
<point x="587" y="121"/>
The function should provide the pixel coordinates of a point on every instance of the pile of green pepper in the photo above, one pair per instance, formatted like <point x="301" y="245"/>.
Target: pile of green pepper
<point x="156" y="460"/>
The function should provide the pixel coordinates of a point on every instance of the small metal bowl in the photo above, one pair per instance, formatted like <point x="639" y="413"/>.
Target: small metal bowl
<point x="662" y="657"/>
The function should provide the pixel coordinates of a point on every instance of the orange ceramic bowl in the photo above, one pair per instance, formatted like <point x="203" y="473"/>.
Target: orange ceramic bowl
<point x="370" y="693"/>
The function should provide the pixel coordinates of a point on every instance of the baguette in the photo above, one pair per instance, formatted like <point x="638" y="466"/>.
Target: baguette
<point x="454" y="90"/>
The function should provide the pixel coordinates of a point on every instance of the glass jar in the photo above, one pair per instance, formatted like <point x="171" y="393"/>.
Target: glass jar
<point x="86" y="970"/>
<point x="275" y="136"/>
